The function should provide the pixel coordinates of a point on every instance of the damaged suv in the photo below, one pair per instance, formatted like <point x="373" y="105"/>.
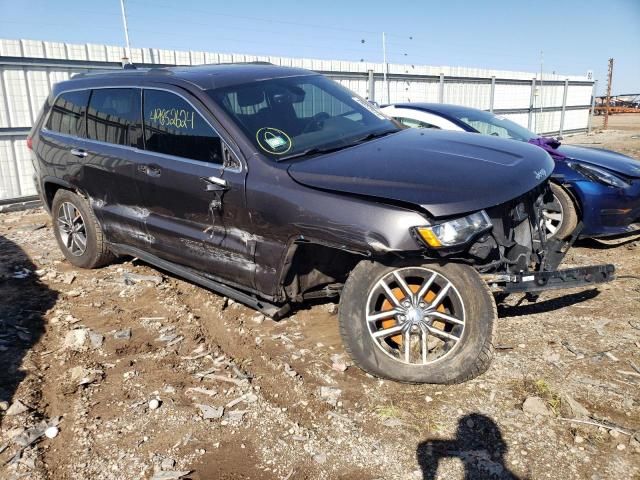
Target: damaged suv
<point x="275" y="185"/>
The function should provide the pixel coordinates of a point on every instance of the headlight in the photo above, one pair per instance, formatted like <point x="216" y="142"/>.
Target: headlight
<point x="455" y="232"/>
<point x="598" y="175"/>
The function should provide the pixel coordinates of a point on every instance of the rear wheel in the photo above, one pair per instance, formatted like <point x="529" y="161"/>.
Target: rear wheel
<point x="560" y="216"/>
<point x="78" y="232"/>
<point x="413" y="323"/>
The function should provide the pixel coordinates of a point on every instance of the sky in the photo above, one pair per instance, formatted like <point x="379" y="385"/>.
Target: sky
<point x="569" y="37"/>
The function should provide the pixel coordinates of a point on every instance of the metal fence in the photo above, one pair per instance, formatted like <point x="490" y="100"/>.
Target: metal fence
<point x="29" y="68"/>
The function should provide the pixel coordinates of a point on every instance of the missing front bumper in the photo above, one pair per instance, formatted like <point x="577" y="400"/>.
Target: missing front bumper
<point x="539" y="281"/>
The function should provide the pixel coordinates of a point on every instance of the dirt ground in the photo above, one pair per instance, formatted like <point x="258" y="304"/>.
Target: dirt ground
<point x="137" y="374"/>
<point x="623" y="134"/>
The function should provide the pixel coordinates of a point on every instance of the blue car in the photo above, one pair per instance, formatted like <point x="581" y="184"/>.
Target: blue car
<point x="599" y="187"/>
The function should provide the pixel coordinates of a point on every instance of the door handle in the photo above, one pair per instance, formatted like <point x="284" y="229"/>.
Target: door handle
<point x="215" y="184"/>
<point x="150" y="170"/>
<point x="78" y="152"/>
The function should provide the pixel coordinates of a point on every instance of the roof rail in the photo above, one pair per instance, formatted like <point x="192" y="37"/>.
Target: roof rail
<point x="255" y="62"/>
<point x="162" y="70"/>
<point x="109" y="71"/>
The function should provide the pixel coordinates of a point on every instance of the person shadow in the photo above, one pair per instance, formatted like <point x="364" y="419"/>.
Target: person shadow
<point x="478" y="444"/>
<point x="24" y="300"/>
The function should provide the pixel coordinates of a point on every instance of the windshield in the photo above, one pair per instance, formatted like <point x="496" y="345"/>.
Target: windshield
<point x="294" y="116"/>
<point x="491" y="124"/>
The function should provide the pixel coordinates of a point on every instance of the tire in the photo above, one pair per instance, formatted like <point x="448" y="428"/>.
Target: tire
<point x="68" y="205"/>
<point x="471" y="300"/>
<point x="561" y="217"/>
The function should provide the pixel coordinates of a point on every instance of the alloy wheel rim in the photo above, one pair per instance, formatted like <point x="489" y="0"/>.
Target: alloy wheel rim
<point x="552" y="213"/>
<point x="415" y="316"/>
<point x="72" y="229"/>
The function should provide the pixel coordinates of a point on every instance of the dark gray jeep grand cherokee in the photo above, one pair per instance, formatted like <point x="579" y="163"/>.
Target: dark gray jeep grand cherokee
<point x="275" y="185"/>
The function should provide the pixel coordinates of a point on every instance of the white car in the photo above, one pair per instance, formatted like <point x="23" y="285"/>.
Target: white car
<point x="416" y="117"/>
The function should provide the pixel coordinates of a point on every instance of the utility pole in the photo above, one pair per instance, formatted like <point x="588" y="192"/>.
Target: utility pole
<point x="385" y="66"/>
<point x="609" y="79"/>
<point x="127" y="58"/>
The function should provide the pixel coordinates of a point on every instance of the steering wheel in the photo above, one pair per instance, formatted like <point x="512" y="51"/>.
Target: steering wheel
<point x="317" y="122"/>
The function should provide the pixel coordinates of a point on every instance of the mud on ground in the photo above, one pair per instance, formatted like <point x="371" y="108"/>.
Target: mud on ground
<point x="91" y="354"/>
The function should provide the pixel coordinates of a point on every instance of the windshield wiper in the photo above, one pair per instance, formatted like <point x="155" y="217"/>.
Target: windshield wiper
<point x="317" y="150"/>
<point x="313" y="151"/>
<point x="371" y="136"/>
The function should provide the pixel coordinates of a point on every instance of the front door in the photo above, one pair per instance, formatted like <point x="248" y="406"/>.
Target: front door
<point x="192" y="186"/>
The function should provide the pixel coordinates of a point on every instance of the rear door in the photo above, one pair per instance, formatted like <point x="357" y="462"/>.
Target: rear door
<point x="63" y="136"/>
<point x="113" y="148"/>
<point x="91" y="140"/>
<point x="192" y="185"/>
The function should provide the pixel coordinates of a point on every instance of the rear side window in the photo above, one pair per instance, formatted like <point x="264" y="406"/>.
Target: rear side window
<point x="173" y="126"/>
<point x="114" y="116"/>
<point x="67" y="113"/>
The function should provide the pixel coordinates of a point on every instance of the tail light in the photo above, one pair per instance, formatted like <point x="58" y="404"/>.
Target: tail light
<point x="29" y="143"/>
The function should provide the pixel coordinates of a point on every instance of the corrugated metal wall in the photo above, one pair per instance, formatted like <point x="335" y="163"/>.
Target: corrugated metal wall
<point x="29" y="68"/>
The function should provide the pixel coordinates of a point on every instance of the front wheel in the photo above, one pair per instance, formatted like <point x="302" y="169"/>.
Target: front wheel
<point x="431" y="323"/>
<point x="560" y="216"/>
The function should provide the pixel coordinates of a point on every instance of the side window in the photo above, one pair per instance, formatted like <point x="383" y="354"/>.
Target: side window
<point x="173" y="127"/>
<point x="67" y="113"/>
<point x="114" y="116"/>
<point x="413" y="123"/>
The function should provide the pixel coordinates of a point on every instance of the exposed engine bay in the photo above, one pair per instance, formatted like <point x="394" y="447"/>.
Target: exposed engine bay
<point x="517" y="242"/>
<point x="517" y="256"/>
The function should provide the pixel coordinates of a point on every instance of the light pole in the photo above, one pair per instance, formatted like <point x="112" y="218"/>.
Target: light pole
<point x="385" y="66"/>
<point x="541" y="98"/>
<point x="126" y="33"/>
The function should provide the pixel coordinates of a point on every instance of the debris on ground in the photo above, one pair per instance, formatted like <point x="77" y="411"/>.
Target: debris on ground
<point x="210" y="413"/>
<point x="124" y="334"/>
<point x="16" y="408"/>
<point x="330" y="395"/>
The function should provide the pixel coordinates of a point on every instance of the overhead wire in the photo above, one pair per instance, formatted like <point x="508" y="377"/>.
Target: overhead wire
<point x="403" y="48"/>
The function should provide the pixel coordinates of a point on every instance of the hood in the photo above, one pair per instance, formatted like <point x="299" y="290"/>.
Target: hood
<point x="613" y="161"/>
<point x="446" y="173"/>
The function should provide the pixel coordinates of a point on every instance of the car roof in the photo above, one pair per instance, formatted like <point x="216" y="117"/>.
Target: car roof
<point x="204" y="77"/>
<point x="444" y="108"/>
